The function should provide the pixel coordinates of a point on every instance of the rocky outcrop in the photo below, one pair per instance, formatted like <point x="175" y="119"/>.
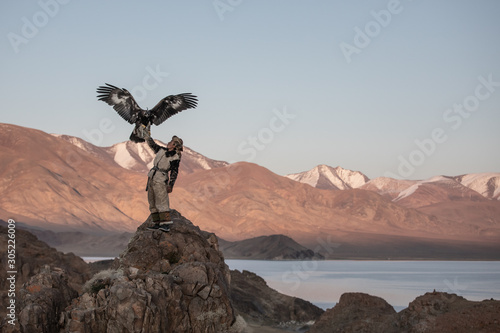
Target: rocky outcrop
<point x="32" y="255"/>
<point x="42" y="300"/>
<point x="449" y="313"/>
<point x="255" y="301"/>
<point x="355" y="312"/>
<point x="41" y="273"/>
<point x="162" y="282"/>
<point x="178" y="282"/>
<point x="435" y="312"/>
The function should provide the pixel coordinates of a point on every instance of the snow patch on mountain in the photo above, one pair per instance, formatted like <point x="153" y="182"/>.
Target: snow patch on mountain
<point x="123" y="158"/>
<point x="326" y="177"/>
<point x="487" y="184"/>
<point x="409" y="191"/>
<point x="140" y="157"/>
<point x="200" y="159"/>
<point x="310" y="177"/>
<point x="145" y="154"/>
<point x="449" y="183"/>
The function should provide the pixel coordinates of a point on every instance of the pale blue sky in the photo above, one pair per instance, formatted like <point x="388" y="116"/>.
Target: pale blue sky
<point x="366" y="85"/>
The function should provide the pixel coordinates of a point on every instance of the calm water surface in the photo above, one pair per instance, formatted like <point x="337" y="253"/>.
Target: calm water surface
<point x="398" y="282"/>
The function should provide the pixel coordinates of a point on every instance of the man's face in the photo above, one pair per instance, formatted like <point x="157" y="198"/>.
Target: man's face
<point x="171" y="145"/>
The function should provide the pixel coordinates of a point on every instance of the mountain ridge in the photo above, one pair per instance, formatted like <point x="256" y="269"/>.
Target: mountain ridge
<point x="327" y="177"/>
<point x="62" y="183"/>
<point x="273" y="247"/>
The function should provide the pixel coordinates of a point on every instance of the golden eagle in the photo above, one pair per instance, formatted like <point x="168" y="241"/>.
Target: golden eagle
<point x="122" y="101"/>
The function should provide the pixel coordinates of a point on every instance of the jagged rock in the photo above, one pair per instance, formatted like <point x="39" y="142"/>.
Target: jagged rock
<point x="435" y="312"/>
<point x="42" y="299"/>
<point x="162" y="282"/>
<point x="37" y="266"/>
<point x="255" y="301"/>
<point x="355" y="312"/>
<point x="32" y="255"/>
<point x="178" y="282"/>
<point x="443" y="313"/>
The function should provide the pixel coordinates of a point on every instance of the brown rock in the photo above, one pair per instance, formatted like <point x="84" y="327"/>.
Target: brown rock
<point x="435" y="312"/>
<point x="356" y="312"/>
<point x="42" y="270"/>
<point x="162" y="282"/>
<point x="32" y="255"/>
<point x="258" y="303"/>
<point x="443" y="312"/>
<point x="42" y="300"/>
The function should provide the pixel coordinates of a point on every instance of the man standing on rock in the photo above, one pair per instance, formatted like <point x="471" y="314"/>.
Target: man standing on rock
<point x="161" y="179"/>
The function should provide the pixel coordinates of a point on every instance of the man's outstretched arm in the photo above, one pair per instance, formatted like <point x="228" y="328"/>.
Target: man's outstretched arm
<point x="151" y="143"/>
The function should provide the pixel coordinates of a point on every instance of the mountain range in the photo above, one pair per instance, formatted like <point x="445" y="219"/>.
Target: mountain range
<point x="63" y="183"/>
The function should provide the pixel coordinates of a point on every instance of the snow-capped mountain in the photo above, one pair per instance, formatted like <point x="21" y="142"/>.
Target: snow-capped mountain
<point x="61" y="182"/>
<point x="139" y="157"/>
<point x="436" y="190"/>
<point x="327" y="177"/>
<point x="132" y="156"/>
<point x="487" y="184"/>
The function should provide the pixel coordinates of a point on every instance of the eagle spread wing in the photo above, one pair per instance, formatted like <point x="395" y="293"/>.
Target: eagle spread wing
<point x="171" y="105"/>
<point x="121" y="100"/>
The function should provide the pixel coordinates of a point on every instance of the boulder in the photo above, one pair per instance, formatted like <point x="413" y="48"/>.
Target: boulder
<point x="257" y="303"/>
<point x="443" y="312"/>
<point x="42" y="300"/>
<point x="356" y="312"/>
<point x="435" y="312"/>
<point x="162" y="282"/>
<point x="41" y="273"/>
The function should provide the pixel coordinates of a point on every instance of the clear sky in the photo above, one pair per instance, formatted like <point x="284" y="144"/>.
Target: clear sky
<point x="408" y="89"/>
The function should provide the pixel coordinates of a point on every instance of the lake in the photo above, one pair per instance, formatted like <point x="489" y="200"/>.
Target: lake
<point x="398" y="282"/>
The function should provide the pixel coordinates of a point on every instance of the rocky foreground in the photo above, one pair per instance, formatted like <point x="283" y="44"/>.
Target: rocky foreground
<point x="433" y="312"/>
<point x="179" y="282"/>
<point x="162" y="282"/>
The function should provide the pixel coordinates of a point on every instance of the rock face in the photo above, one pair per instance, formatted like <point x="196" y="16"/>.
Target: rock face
<point x="44" y="272"/>
<point x="32" y="255"/>
<point x="178" y="282"/>
<point x="162" y="282"/>
<point x="449" y="313"/>
<point x="255" y="301"/>
<point x="355" y="312"/>
<point x="435" y="312"/>
<point x="43" y="298"/>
